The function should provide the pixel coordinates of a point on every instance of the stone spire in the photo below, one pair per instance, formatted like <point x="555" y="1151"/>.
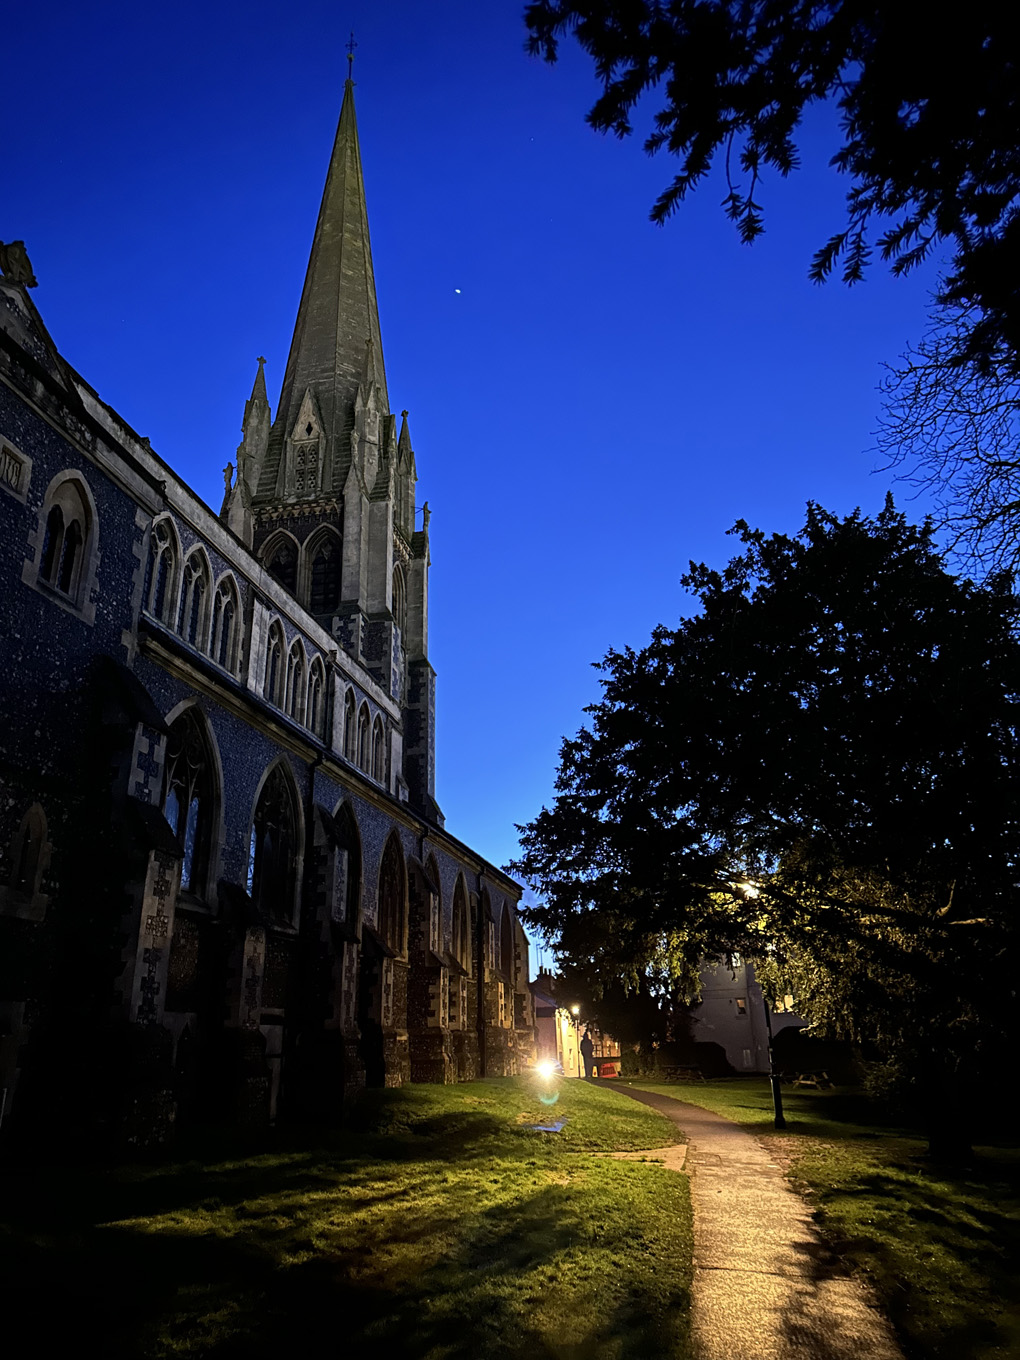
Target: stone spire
<point x="337" y="319"/>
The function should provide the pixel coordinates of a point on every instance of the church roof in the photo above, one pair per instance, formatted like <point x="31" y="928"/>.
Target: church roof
<point x="338" y="318"/>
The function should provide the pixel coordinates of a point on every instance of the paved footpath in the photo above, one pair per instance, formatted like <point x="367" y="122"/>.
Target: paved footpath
<point x="765" y="1285"/>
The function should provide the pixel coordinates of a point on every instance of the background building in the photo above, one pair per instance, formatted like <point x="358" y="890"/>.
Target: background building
<point x="731" y="1014"/>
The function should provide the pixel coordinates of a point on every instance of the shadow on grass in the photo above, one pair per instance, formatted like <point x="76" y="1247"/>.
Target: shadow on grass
<point x="232" y="1170"/>
<point x="496" y="1292"/>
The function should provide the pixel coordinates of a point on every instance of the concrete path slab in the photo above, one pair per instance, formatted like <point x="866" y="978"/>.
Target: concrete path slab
<point x="765" y="1285"/>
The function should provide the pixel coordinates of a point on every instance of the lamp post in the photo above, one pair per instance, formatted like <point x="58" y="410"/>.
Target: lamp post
<point x="748" y="890"/>
<point x="575" y="1015"/>
<point x="777" y="1094"/>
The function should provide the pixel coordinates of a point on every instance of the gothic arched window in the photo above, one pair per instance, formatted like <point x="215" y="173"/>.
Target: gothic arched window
<point x="67" y="539"/>
<point x="378" y="752"/>
<point x="272" y="687"/>
<point x="349" y="840"/>
<point x="326" y="563"/>
<point x="163" y="558"/>
<point x="364" y="738"/>
<point x="315" y="711"/>
<point x="295" y="694"/>
<point x="53" y="546"/>
<point x="399" y="601"/>
<point x="461" y="925"/>
<point x="506" y="943"/>
<point x="193" y="618"/>
<point x="272" y="850"/>
<point x="70" y="558"/>
<point x="393" y="895"/>
<point x="350" y="728"/>
<point x="226" y="611"/>
<point x="189" y="800"/>
<point x="282" y="563"/>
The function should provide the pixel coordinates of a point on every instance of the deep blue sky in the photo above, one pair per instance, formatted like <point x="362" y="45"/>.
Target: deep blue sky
<point x="594" y="400"/>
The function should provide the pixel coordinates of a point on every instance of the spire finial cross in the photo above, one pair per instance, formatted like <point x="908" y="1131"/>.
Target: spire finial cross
<point x="351" y="45"/>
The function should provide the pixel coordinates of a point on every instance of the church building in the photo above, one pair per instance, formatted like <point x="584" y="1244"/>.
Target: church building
<point x="227" y="892"/>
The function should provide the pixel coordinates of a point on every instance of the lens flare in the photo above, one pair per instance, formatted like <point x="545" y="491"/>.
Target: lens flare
<point x="545" y="1069"/>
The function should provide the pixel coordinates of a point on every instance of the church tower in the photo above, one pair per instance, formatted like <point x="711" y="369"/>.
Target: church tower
<point x="325" y="492"/>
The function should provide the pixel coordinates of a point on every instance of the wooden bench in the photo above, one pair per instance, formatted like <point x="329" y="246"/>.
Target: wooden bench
<point x="816" y="1081"/>
<point x="683" y="1074"/>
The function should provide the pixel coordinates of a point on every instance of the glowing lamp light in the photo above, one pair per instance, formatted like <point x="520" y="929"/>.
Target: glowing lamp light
<point x="546" y="1070"/>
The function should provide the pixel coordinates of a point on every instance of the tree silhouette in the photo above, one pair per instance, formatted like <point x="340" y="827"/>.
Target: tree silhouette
<point x="930" y="118"/>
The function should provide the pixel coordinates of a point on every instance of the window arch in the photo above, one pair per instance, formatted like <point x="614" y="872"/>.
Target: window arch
<point x="193" y="620"/>
<point x="461" y="925"/>
<point x="294" y="698"/>
<point x="226" y="612"/>
<point x="281" y="558"/>
<point x="364" y="739"/>
<point x="506" y="943"/>
<point x="164" y="555"/>
<point x="272" y="687"/>
<point x="399" y="600"/>
<point x="272" y="848"/>
<point x="393" y="895"/>
<point x="189" y="797"/>
<point x="67" y="538"/>
<point x="378" y="751"/>
<point x="350" y="728"/>
<point x="325" y="556"/>
<point x="315" y="710"/>
<point x="349" y="840"/>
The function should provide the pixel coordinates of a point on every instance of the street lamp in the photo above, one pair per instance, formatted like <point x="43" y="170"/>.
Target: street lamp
<point x="575" y="1015"/>
<point x="748" y="890"/>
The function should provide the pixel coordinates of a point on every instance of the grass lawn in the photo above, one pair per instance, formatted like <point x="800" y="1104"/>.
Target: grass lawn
<point x="435" y="1224"/>
<point x="941" y="1248"/>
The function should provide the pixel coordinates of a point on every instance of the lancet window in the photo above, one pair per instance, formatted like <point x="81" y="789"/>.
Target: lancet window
<point x="282" y="564"/>
<point x="316" y="709"/>
<point x="272" y="687"/>
<point x="461" y="925"/>
<point x="349" y="840"/>
<point x="350" y="728"/>
<point x="162" y="571"/>
<point x="506" y="943"/>
<point x="378" y="751"/>
<point x="192" y="624"/>
<point x="225" y="625"/>
<point x="189" y="798"/>
<point x="272" y="865"/>
<point x="399" y="601"/>
<point x="66" y="539"/>
<point x="327" y="560"/>
<point x="295" y="694"/>
<point x="393" y="896"/>
<point x="364" y="739"/>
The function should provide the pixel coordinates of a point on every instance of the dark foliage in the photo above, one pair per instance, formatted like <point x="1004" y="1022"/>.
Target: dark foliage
<point x="817" y="769"/>
<point x="930" y="114"/>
